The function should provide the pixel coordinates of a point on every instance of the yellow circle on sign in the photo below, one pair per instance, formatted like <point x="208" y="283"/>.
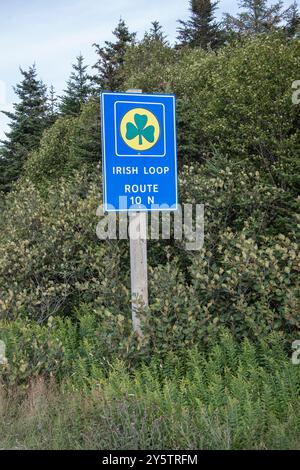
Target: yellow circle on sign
<point x="140" y="129"/>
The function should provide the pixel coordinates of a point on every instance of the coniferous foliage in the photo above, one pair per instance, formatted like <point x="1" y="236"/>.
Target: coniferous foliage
<point x="201" y="30"/>
<point x="111" y="59"/>
<point x="292" y="27"/>
<point x="146" y="61"/>
<point x="257" y="17"/>
<point x="52" y="105"/>
<point x="27" y="123"/>
<point x="78" y="89"/>
<point x="156" y="33"/>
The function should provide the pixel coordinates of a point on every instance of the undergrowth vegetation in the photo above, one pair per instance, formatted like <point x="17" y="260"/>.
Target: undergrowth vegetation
<point x="236" y="396"/>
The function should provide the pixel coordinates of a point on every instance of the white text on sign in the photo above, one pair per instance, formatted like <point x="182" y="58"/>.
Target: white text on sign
<point x="134" y="170"/>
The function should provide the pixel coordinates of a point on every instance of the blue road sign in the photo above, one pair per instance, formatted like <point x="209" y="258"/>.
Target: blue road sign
<point x="139" y="152"/>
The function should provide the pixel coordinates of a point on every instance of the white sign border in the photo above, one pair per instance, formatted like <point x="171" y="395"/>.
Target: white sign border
<point x="172" y="208"/>
<point x="164" y="124"/>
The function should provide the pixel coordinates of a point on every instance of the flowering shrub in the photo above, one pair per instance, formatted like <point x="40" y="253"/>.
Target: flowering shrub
<point x="50" y="257"/>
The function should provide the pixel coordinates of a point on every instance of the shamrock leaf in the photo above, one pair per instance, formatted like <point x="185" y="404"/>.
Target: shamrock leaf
<point x="140" y="121"/>
<point x="139" y="129"/>
<point x="148" y="133"/>
<point x="131" y="131"/>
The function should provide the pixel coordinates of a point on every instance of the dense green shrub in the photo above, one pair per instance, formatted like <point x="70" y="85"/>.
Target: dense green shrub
<point x="81" y="348"/>
<point x="238" y="99"/>
<point x="237" y="195"/>
<point x="249" y="289"/>
<point x="54" y="157"/>
<point x="146" y="66"/>
<point x="50" y="257"/>
<point x="70" y="143"/>
<point x="235" y="117"/>
<point x="246" y="276"/>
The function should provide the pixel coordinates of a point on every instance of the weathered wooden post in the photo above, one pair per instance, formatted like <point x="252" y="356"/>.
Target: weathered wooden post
<point x="138" y="266"/>
<point x="138" y="261"/>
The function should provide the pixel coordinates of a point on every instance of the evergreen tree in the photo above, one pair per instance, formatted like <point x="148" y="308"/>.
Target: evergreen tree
<point x="201" y="30"/>
<point x="146" y="61"/>
<point x="52" y="105"/>
<point x="78" y="89"/>
<point x="292" y="16"/>
<point x="156" y="34"/>
<point x="27" y="123"/>
<point x="257" y="17"/>
<point x="111" y="59"/>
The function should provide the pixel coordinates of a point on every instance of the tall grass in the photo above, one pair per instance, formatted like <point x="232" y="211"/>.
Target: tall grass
<point x="234" y="397"/>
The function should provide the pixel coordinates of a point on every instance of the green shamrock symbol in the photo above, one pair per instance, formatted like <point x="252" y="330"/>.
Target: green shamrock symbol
<point x="139" y="129"/>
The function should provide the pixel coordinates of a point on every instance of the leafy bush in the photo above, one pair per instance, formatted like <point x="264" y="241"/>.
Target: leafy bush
<point x="50" y="258"/>
<point x="238" y="99"/>
<point x="70" y="143"/>
<point x="146" y="65"/>
<point x="53" y="159"/>
<point x="246" y="275"/>
<point x="238" y="131"/>
<point x="250" y="290"/>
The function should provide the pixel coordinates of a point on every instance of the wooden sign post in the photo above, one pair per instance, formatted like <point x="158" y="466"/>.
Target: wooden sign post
<point x="138" y="261"/>
<point x="138" y="266"/>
